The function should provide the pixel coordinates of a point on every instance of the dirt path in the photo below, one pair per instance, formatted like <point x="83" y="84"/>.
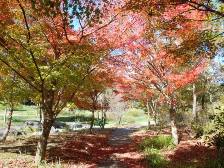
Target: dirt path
<point x="122" y="145"/>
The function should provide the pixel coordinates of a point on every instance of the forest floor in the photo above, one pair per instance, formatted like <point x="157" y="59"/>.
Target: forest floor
<point x="110" y="148"/>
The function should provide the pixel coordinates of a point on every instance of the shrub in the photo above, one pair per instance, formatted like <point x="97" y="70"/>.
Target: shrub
<point x="215" y="130"/>
<point x="198" y="129"/>
<point x="158" y="142"/>
<point x="155" y="159"/>
<point x="153" y="146"/>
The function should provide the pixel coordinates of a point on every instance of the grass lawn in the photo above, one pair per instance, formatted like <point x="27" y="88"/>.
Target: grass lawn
<point x="23" y="113"/>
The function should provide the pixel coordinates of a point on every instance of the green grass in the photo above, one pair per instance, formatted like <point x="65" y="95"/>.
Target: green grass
<point x="155" y="159"/>
<point x="152" y="149"/>
<point x="23" y="113"/>
<point x="135" y="116"/>
<point x="158" y="142"/>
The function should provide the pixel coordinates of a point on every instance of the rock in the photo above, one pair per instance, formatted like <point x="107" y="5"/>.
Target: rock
<point x="53" y="130"/>
<point x="14" y="131"/>
<point x="32" y="125"/>
<point x="74" y="125"/>
<point x="60" y="125"/>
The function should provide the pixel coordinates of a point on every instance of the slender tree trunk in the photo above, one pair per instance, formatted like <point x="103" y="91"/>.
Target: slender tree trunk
<point x="5" y="115"/>
<point x="40" y="114"/>
<point x="8" y="126"/>
<point x="155" y="112"/>
<point x="194" y="104"/>
<point x="148" y="114"/>
<point x="103" y="119"/>
<point x="92" y="122"/>
<point x="98" y="115"/>
<point x="153" y="109"/>
<point x="173" y="124"/>
<point x="203" y="102"/>
<point x="120" y="119"/>
<point x="48" y="121"/>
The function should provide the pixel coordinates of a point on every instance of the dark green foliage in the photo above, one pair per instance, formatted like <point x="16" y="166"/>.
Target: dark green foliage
<point x="99" y="122"/>
<point x="215" y="133"/>
<point x="198" y="129"/>
<point x="218" y="140"/>
<point x="80" y="118"/>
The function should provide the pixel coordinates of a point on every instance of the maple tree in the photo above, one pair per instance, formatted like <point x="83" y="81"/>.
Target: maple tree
<point x="40" y="47"/>
<point x="12" y="93"/>
<point x="91" y="95"/>
<point x="173" y="53"/>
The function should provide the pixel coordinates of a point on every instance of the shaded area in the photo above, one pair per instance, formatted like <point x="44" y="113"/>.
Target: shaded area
<point x="98" y="150"/>
<point x="191" y="152"/>
<point x="111" y="148"/>
<point x="80" y="118"/>
<point x="123" y="151"/>
<point x="121" y="136"/>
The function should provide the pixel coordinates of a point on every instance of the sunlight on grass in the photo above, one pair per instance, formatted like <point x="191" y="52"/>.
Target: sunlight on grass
<point x="152" y="149"/>
<point x="158" y="142"/>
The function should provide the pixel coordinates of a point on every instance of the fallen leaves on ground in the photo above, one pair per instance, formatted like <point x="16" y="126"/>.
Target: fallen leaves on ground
<point x="84" y="150"/>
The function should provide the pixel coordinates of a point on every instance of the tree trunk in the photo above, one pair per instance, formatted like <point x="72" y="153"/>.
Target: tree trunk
<point x="148" y="114"/>
<point x="98" y="115"/>
<point x="194" y="104"/>
<point x="203" y="102"/>
<point x="119" y="120"/>
<point x="92" y="122"/>
<point x="174" y="131"/>
<point x="8" y="126"/>
<point x="40" y="114"/>
<point x="5" y="115"/>
<point x="48" y="121"/>
<point x="104" y="118"/>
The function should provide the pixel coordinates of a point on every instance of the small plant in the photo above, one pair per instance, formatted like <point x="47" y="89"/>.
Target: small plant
<point x="158" y="142"/>
<point x="198" y="129"/>
<point x="152" y="148"/>
<point x="53" y="164"/>
<point x="215" y="131"/>
<point x="155" y="159"/>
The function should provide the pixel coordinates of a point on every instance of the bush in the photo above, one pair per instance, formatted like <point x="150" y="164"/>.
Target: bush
<point x="155" y="159"/>
<point x="198" y="129"/>
<point x="158" y="142"/>
<point x="215" y="130"/>
<point x="152" y="148"/>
